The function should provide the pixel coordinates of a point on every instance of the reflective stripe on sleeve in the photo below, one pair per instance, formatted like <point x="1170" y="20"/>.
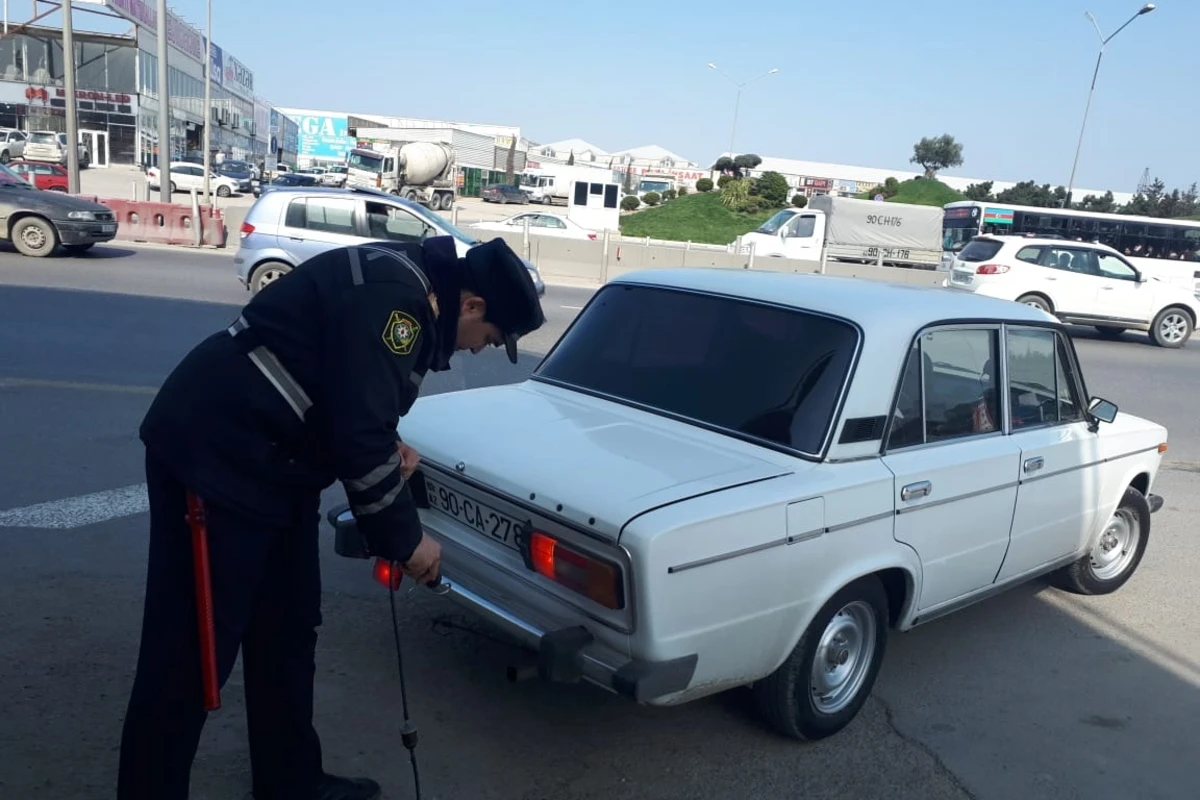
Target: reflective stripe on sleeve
<point x="375" y="476"/>
<point x="381" y="503"/>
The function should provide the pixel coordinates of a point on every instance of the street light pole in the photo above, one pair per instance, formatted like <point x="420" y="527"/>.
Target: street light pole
<point x="208" y="110"/>
<point x="68" y="43"/>
<point x="1146" y="9"/>
<point x="738" y="103"/>
<point x="164" y="108"/>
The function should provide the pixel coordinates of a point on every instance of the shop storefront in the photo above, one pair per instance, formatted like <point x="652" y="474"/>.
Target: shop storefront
<point x="33" y="97"/>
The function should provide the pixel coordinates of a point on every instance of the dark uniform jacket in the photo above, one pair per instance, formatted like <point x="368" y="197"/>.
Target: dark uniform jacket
<point x="344" y="340"/>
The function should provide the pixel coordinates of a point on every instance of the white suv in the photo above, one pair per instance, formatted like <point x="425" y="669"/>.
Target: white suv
<point x="1078" y="282"/>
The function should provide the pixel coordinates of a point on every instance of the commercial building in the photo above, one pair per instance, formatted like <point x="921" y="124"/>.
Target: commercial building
<point x="645" y="160"/>
<point x="481" y="151"/>
<point x="812" y="178"/>
<point x="117" y="91"/>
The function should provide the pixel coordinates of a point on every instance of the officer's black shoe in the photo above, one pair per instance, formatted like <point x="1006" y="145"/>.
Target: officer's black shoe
<point x="335" y="788"/>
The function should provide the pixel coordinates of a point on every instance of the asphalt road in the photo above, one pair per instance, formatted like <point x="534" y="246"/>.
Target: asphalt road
<point x="1035" y="694"/>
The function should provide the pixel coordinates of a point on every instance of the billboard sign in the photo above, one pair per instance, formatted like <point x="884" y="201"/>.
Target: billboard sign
<point x="216" y="67"/>
<point x="238" y="77"/>
<point x="180" y="35"/>
<point x="323" y="136"/>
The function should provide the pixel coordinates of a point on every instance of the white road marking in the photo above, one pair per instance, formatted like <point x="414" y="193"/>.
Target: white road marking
<point x="75" y="512"/>
<point x="574" y="308"/>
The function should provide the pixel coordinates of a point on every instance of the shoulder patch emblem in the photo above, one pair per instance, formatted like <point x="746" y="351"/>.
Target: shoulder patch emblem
<point x="401" y="333"/>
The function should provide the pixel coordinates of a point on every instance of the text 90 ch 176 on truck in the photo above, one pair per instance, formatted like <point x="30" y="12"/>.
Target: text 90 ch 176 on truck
<point x="720" y="479"/>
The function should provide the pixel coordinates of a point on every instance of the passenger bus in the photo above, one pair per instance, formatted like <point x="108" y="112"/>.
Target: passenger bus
<point x="1166" y="248"/>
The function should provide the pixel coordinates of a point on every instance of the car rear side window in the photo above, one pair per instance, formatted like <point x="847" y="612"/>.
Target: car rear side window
<point x="980" y="250"/>
<point x="760" y="371"/>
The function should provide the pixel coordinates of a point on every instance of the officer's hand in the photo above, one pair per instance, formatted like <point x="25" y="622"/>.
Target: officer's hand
<point x="409" y="459"/>
<point x="426" y="562"/>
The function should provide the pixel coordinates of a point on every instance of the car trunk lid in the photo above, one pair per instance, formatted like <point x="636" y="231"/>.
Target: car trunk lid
<point x="593" y="462"/>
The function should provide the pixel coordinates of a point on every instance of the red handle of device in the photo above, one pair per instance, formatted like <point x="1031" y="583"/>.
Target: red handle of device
<point x="204" y="606"/>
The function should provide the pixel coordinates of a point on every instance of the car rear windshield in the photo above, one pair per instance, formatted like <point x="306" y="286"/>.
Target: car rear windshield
<point x="980" y="250"/>
<point x="43" y="138"/>
<point x="753" y="369"/>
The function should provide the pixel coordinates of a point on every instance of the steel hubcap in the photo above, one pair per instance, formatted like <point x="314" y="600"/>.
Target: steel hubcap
<point x="34" y="237"/>
<point x="843" y="658"/>
<point x="1117" y="544"/>
<point x="1173" y="327"/>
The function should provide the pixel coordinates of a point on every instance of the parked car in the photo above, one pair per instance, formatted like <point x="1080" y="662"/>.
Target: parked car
<point x="540" y="224"/>
<point x="335" y="176"/>
<point x="503" y="193"/>
<point x="285" y="179"/>
<point x="287" y="226"/>
<point x="52" y="146"/>
<point x="186" y="176"/>
<point x="50" y="177"/>
<point x="1078" y="282"/>
<point x="721" y="478"/>
<point x="38" y="222"/>
<point x="240" y="171"/>
<point x="12" y="144"/>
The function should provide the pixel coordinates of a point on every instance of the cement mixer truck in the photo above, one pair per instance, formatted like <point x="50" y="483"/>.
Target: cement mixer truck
<point x="420" y="171"/>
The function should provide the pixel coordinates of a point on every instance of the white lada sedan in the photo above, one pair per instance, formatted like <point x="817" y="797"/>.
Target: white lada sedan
<point x="720" y="479"/>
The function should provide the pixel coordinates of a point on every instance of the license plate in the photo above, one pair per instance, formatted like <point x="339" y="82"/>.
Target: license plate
<point x="963" y="277"/>
<point x="481" y="517"/>
<point x="108" y="228"/>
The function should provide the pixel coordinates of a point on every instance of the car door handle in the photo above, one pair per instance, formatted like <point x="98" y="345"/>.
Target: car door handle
<point x="1034" y="464"/>
<point x="295" y="238"/>
<point x="915" y="490"/>
<point x="1107" y="288"/>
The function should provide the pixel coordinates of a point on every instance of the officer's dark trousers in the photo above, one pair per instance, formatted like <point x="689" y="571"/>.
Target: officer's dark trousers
<point x="266" y="599"/>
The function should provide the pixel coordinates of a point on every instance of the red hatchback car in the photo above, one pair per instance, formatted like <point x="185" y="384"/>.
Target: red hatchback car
<point x="50" y="177"/>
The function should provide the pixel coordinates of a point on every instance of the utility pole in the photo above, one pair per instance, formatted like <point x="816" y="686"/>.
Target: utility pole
<point x="164" y="108"/>
<point x="208" y="110"/>
<point x="68" y="33"/>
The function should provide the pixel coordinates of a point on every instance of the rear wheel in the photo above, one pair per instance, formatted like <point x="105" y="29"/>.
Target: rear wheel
<point x="224" y="191"/>
<point x="1037" y="301"/>
<point x="825" y="681"/>
<point x="1172" y="327"/>
<point x="266" y="274"/>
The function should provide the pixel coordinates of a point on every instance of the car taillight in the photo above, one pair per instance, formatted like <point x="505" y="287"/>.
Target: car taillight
<point x="992" y="269"/>
<point x="591" y="577"/>
<point x="246" y="229"/>
<point x="592" y="236"/>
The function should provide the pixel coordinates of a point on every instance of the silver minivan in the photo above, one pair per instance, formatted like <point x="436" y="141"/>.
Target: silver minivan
<point x="289" y="225"/>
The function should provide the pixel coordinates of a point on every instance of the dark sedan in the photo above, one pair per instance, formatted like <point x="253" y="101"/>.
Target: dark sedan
<point x="503" y="193"/>
<point x="38" y="222"/>
<point x="287" y="179"/>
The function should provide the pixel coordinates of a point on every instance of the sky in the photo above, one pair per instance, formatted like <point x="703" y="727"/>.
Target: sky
<point x="859" y="81"/>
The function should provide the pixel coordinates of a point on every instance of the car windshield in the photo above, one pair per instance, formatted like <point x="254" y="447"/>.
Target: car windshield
<point x="776" y="222"/>
<point x="365" y="161"/>
<point x="441" y="222"/>
<point x="755" y="370"/>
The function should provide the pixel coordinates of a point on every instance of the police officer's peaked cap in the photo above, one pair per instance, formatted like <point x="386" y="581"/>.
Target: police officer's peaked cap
<point x="500" y="277"/>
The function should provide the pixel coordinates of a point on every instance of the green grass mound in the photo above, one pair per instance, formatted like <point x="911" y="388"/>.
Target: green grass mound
<point x="922" y="192"/>
<point x="692" y="218"/>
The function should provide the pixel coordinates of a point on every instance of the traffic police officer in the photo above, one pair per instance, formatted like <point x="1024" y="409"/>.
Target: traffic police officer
<point x="305" y="388"/>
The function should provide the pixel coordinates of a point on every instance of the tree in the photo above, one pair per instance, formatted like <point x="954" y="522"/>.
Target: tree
<point x="571" y="159"/>
<point x="736" y="167"/>
<point x="979" y="191"/>
<point x="936" y="154"/>
<point x="799" y="200"/>
<point x="772" y="188"/>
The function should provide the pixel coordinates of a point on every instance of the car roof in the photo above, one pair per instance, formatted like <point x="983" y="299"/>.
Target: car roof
<point x="887" y="308"/>
<point x="1013" y="238"/>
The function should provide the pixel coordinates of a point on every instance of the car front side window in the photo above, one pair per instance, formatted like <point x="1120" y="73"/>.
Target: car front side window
<point x="1112" y="266"/>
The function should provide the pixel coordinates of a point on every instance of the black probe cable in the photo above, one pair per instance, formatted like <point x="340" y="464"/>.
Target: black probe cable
<point x="408" y="734"/>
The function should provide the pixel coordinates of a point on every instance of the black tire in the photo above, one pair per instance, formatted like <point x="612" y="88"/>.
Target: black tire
<point x="267" y="273"/>
<point x="1037" y="301"/>
<point x="1110" y="331"/>
<point x="1100" y="572"/>
<point x="34" y="236"/>
<point x="223" y="191"/>
<point x="174" y="189"/>
<point x="785" y="697"/>
<point x="5" y="157"/>
<point x="1172" y="328"/>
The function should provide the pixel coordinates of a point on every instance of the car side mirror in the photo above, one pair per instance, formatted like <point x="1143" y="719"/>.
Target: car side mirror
<point x="1101" y="410"/>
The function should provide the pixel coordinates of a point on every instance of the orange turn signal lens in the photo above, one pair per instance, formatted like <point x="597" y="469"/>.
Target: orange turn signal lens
<point x="1162" y="448"/>
<point x="591" y="577"/>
